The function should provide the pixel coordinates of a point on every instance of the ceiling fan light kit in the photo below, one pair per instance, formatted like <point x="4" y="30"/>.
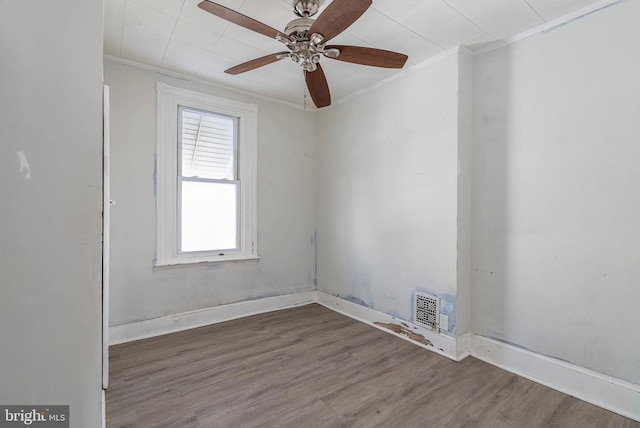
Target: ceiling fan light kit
<point x="306" y="38"/>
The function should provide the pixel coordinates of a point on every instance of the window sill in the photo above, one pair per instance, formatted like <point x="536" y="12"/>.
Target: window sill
<point x="201" y="261"/>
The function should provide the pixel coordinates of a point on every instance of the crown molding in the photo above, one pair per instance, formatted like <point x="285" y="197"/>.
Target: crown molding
<point x="398" y="75"/>
<point x="547" y="27"/>
<point x="159" y="71"/>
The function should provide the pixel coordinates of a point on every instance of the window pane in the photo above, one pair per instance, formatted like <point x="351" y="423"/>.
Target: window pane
<point x="209" y="216"/>
<point x="208" y="145"/>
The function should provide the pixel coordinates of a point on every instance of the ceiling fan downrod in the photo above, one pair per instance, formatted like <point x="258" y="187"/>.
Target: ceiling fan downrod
<point x="306" y="8"/>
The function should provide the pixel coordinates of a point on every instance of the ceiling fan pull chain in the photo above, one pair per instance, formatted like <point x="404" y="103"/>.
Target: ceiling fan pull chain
<point x="305" y="100"/>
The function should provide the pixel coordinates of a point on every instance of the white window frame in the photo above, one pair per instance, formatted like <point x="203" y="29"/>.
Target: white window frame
<point x="169" y="99"/>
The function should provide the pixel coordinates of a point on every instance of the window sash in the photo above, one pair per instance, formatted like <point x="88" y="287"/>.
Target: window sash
<point x="212" y="140"/>
<point x="218" y="251"/>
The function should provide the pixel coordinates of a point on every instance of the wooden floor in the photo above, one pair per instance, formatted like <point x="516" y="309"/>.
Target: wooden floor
<point x="312" y="367"/>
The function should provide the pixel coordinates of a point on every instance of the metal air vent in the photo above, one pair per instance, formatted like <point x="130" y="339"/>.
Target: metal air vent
<point x="427" y="311"/>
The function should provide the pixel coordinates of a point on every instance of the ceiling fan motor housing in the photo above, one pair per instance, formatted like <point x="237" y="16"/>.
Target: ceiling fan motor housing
<point x="306" y="49"/>
<point x="298" y="28"/>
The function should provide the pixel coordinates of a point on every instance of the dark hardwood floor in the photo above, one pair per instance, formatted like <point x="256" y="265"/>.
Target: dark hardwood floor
<point x="312" y="367"/>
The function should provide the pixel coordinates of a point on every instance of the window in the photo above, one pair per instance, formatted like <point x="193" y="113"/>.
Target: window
<point x="206" y="178"/>
<point x="208" y="186"/>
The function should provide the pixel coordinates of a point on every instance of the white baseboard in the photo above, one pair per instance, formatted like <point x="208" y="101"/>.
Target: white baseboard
<point x="596" y="388"/>
<point x="187" y="320"/>
<point x="104" y="410"/>
<point x="463" y="346"/>
<point x="441" y="344"/>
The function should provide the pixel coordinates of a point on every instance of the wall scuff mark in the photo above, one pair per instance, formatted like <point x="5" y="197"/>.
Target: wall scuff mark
<point x="405" y="332"/>
<point x="24" y="164"/>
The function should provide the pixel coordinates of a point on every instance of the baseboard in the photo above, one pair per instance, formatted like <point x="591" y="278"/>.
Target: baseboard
<point x="596" y="388"/>
<point x="463" y="346"/>
<point x="440" y="343"/>
<point x="104" y="410"/>
<point x="186" y="320"/>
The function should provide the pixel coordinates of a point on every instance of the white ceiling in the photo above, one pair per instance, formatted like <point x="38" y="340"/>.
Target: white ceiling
<point x="177" y="35"/>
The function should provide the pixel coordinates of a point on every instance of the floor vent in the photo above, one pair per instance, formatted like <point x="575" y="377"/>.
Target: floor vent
<point x="427" y="311"/>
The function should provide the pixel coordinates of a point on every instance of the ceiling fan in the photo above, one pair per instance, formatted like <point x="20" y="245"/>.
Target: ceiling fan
<point x="306" y="38"/>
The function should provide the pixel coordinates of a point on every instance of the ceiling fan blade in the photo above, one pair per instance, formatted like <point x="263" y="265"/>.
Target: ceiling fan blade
<point x="318" y="87"/>
<point x="370" y="56"/>
<point x="338" y="16"/>
<point x="239" y="19"/>
<point x="255" y="63"/>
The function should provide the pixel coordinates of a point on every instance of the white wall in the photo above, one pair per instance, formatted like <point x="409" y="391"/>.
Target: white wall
<point x="526" y="218"/>
<point x="286" y="208"/>
<point x="387" y="191"/>
<point x="463" y="219"/>
<point x="50" y="228"/>
<point x="555" y="198"/>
